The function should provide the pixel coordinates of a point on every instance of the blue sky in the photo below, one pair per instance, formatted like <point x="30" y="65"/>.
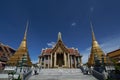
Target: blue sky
<point x="70" y="17"/>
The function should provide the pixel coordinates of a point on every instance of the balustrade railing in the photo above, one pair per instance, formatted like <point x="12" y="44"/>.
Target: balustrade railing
<point x="98" y="75"/>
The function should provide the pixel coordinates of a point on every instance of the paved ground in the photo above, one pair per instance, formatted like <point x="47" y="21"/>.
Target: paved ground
<point x="61" y="74"/>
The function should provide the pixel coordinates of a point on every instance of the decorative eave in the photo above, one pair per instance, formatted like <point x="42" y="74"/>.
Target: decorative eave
<point x="114" y="53"/>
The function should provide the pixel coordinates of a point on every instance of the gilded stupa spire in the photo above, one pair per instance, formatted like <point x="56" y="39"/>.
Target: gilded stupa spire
<point x="93" y="35"/>
<point x="24" y="41"/>
<point x="21" y="52"/>
<point x="25" y="35"/>
<point x="95" y="49"/>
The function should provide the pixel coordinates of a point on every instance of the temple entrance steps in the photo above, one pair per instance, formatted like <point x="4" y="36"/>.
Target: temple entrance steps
<point x="61" y="74"/>
<point x="60" y="71"/>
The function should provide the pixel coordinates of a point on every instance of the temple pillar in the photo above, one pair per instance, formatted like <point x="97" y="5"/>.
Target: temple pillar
<point x="44" y="62"/>
<point x="75" y="61"/>
<point x="48" y="61"/>
<point x="71" y="62"/>
<point x="55" y="59"/>
<point x="40" y="60"/>
<point x="65" y="59"/>
<point x="80" y="60"/>
<point x="68" y="60"/>
<point x="51" y="60"/>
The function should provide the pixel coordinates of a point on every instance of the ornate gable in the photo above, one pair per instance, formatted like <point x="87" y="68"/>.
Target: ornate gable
<point x="60" y="47"/>
<point x="59" y="50"/>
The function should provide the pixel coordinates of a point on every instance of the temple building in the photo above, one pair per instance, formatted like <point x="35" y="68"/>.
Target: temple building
<point x="96" y="51"/>
<point x="60" y="56"/>
<point x="5" y="53"/>
<point x="21" y="56"/>
<point x="114" y="56"/>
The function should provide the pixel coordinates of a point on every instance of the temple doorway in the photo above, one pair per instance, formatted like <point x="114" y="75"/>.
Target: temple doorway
<point x="60" y="60"/>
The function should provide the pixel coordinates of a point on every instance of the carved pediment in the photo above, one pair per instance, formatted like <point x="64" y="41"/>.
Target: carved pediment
<point x="59" y="50"/>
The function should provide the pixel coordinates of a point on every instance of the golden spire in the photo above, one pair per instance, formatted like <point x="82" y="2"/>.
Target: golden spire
<point x="95" y="49"/>
<point x="59" y="36"/>
<point x="93" y="35"/>
<point x="23" y="43"/>
<point x="21" y="52"/>
<point x="25" y="35"/>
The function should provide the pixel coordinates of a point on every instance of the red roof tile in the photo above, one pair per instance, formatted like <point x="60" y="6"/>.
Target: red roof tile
<point x="71" y="50"/>
<point x="47" y="51"/>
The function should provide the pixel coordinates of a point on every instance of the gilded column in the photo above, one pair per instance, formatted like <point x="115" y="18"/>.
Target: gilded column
<point x="51" y="60"/>
<point x="68" y="60"/>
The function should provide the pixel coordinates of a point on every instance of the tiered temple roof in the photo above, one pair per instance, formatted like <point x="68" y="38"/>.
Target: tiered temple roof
<point x="21" y="52"/>
<point x="72" y="51"/>
<point x="60" y="44"/>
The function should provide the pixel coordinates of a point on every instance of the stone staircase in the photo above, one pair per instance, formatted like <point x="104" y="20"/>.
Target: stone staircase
<point x="61" y="74"/>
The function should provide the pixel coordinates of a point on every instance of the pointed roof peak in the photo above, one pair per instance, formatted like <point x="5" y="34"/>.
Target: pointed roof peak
<point x="93" y="35"/>
<point x="59" y="36"/>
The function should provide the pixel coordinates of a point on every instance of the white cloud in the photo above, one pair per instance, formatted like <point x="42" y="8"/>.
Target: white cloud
<point x="51" y="44"/>
<point x="92" y="9"/>
<point x="85" y="56"/>
<point x="88" y="49"/>
<point x="111" y="44"/>
<point x="73" y="24"/>
<point x="35" y="61"/>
